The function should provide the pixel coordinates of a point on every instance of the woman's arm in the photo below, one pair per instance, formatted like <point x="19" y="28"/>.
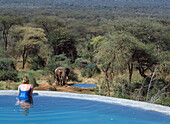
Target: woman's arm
<point x="18" y="89"/>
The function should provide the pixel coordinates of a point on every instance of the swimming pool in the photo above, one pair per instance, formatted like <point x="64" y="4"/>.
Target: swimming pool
<point x="66" y="110"/>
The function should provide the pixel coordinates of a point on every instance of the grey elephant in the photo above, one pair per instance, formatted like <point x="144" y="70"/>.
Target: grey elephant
<point x="61" y="74"/>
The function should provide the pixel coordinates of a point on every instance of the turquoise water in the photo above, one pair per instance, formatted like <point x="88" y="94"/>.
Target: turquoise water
<point x="53" y="110"/>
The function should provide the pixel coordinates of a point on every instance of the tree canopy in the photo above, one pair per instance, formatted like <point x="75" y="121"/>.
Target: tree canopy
<point x="29" y="41"/>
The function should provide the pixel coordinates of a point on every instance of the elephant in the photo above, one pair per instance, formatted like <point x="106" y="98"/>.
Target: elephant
<point x="61" y="73"/>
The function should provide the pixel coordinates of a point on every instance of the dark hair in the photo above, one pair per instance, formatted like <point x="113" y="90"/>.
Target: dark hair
<point x="25" y="80"/>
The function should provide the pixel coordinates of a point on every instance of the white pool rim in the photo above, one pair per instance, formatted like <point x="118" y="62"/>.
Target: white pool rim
<point x="124" y="102"/>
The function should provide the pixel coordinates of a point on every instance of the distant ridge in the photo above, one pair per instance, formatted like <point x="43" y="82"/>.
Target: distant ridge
<point x="160" y="7"/>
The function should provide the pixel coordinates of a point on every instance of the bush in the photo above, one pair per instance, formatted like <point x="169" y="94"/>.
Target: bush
<point x="80" y="63"/>
<point x="32" y="80"/>
<point x="16" y="87"/>
<point x="73" y="76"/>
<point x="90" y="70"/>
<point x="9" y="75"/>
<point x="52" y="88"/>
<point x="6" y="64"/>
<point x="7" y="70"/>
<point x="37" y="63"/>
<point x="4" y="53"/>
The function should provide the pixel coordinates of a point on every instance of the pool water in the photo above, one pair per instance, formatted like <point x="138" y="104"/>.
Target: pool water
<point x="55" y="110"/>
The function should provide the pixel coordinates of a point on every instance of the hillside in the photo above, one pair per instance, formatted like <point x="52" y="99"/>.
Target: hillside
<point x="133" y="6"/>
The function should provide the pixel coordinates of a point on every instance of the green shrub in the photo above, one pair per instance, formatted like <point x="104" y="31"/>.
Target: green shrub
<point x="6" y="64"/>
<point x="73" y="76"/>
<point x="9" y="75"/>
<point x="16" y="87"/>
<point x="1" y="86"/>
<point x="52" y="88"/>
<point x="164" y="101"/>
<point x="4" y="53"/>
<point x="90" y="70"/>
<point x="8" y="70"/>
<point x="80" y="63"/>
<point x="32" y="80"/>
<point x="37" y="63"/>
<point x="60" y="57"/>
<point x="123" y="89"/>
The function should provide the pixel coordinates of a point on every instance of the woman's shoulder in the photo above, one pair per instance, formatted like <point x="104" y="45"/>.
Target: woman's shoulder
<point x="20" y="85"/>
<point x="31" y="85"/>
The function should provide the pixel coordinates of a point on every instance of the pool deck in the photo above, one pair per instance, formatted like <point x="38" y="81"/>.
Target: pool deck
<point x="125" y="102"/>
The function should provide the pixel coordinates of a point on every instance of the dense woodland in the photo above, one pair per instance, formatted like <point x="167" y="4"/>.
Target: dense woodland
<point x="125" y="41"/>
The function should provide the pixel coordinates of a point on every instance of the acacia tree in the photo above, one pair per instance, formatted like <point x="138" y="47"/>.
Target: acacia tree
<point x="6" y="22"/>
<point x="122" y="51"/>
<point x="145" y="30"/>
<point x="29" y="41"/>
<point x="61" y="41"/>
<point x="48" y="23"/>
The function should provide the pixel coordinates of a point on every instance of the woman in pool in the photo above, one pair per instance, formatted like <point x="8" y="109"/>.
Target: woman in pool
<point x="25" y="90"/>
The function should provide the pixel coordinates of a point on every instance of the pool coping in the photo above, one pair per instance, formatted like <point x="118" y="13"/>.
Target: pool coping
<point x="124" y="102"/>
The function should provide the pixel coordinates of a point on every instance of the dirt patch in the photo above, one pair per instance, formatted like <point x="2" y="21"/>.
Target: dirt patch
<point x="66" y="88"/>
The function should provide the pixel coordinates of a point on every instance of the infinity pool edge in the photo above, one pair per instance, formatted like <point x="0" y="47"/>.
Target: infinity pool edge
<point x="124" y="102"/>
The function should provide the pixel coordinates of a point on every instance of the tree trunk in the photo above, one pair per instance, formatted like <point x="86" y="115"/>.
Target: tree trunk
<point x="5" y="39"/>
<point x="106" y="78"/>
<point x="142" y="72"/>
<point x="139" y="93"/>
<point x="150" y="83"/>
<point x="45" y="27"/>
<point x="130" y="71"/>
<point x="5" y="34"/>
<point x="24" y="58"/>
<point x="107" y="82"/>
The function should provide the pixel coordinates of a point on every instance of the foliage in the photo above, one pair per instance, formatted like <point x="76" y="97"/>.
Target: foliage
<point x="164" y="69"/>
<point x="145" y="30"/>
<point x="52" y="88"/>
<point x="48" y="23"/>
<point x="16" y="87"/>
<point x="137" y="7"/>
<point x="88" y="52"/>
<point x="80" y="63"/>
<point x="73" y="76"/>
<point x="6" y="64"/>
<point x="138" y="90"/>
<point x="37" y="63"/>
<point x="90" y="70"/>
<point x="7" y="69"/>
<point x="61" y="41"/>
<point x="9" y="75"/>
<point x="6" y="22"/>
<point x="4" y="53"/>
<point x="122" y="49"/>
<point x="29" y="41"/>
